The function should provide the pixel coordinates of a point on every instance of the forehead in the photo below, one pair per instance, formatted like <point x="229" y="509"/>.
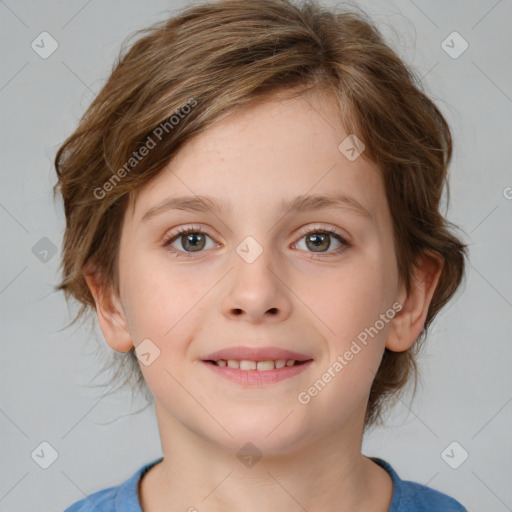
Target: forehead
<point x="263" y="156"/>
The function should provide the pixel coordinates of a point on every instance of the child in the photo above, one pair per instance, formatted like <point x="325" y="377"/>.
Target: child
<point x="252" y="206"/>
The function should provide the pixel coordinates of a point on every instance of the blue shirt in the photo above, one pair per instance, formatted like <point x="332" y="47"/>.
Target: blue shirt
<point x="407" y="496"/>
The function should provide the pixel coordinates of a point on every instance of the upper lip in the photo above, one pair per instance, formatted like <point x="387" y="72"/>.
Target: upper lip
<point x="256" y="354"/>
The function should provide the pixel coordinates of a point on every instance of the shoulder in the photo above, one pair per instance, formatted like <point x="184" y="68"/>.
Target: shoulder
<point x="414" y="497"/>
<point x="121" y="498"/>
<point x="419" y="498"/>
<point x="103" y="500"/>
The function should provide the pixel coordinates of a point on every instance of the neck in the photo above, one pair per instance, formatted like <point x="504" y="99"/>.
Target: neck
<point x="324" y="474"/>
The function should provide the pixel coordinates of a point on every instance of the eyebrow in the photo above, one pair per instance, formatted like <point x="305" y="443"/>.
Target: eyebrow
<point x="200" y="203"/>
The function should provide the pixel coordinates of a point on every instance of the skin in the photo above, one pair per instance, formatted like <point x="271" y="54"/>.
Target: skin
<point x="291" y="296"/>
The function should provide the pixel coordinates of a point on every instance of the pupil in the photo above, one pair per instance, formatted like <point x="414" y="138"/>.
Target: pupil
<point x="319" y="241"/>
<point x="193" y="238"/>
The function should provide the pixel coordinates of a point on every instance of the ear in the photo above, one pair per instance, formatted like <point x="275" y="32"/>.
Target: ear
<point x="111" y="316"/>
<point x="409" y="321"/>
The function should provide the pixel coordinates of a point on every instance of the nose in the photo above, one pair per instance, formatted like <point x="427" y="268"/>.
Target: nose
<point x="257" y="291"/>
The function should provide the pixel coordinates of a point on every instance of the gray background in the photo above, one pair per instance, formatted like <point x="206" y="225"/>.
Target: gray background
<point x="466" y="390"/>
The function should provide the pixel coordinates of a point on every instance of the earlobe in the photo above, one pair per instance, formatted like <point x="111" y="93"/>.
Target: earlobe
<point x="111" y="317"/>
<point x="409" y="321"/>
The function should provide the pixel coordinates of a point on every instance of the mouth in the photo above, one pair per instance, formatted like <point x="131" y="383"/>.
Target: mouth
<point x="260" y="366"/>
<point x="257" y="367"/>
<point x="245" y="356"/>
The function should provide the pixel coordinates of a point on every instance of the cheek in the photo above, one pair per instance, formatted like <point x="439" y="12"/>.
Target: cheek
<point x="350" y="304"/>
<point x="351" y="298"/>
<point x="160" y="297"/>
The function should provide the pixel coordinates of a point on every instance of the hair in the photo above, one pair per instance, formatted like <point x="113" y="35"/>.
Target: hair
<point x="194" y="68"/>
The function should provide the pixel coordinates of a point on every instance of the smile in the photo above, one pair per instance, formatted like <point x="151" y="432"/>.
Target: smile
<point x="257" y="373"/>
<point x="245" y="364"/>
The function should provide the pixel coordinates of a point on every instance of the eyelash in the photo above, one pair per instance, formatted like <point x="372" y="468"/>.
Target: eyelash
<point x="191" y="229"/>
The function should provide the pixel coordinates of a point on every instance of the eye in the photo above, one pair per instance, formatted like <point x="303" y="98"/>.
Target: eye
<point x="191" y="240"/>
<point x="319" y="240"/>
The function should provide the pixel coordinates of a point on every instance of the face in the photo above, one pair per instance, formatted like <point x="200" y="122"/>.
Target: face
<point x="254" y="271"/>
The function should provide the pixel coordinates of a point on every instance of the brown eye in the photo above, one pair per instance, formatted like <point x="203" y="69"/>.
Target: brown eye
<point x="187" y="241"/>
<point x="318" y="242"/>
<point x="193" y="242"/>
<point x="321" y="240"/>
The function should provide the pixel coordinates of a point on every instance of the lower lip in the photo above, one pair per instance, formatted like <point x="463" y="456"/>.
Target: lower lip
<point x="257" y="377"/>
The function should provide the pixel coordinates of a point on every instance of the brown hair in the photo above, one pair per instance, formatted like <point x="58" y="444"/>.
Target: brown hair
<point x="213" y="58"/>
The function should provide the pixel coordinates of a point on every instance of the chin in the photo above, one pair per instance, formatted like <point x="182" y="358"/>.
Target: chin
<point x="279" y="439"/>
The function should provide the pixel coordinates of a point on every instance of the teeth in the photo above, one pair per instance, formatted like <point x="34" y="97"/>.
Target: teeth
<point x="255" y="365"/>
<point x="247" y="365"/>
<point x="264" y="365"/>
